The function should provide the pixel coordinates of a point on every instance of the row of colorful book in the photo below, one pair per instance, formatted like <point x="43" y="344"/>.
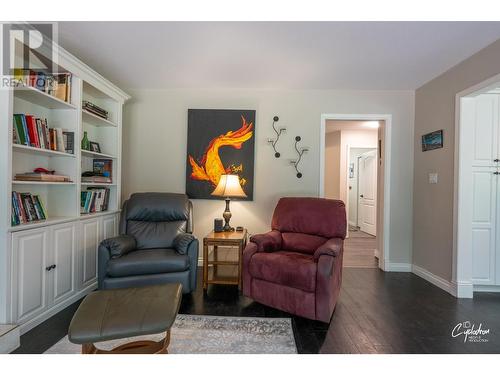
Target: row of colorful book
<point x="57" y="85"/>
<point x="94" y="200"/>
<point x="26" y="208"/>
<point x="35" y="132"/>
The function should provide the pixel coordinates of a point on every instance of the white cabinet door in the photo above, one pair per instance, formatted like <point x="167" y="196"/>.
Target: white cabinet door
<point x="109" y="226"/>
<point x="481" y="190"/>
<point x="63" y="247"/>
<point x="30" y="256"/>
<point x="89" y="241"/>
<point x="484" y="217"/>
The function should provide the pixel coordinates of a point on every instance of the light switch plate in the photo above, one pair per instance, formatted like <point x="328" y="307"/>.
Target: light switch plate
<point x="433" y="178"/>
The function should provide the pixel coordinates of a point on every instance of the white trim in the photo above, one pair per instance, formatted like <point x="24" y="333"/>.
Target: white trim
<point x="9" y="340"/>
<point x="387" y="118"/>
<point x="462" y="269"/>
<point x="397" y="267"/>
<point x="446" y="285"/>
<point x="486" y="288"/>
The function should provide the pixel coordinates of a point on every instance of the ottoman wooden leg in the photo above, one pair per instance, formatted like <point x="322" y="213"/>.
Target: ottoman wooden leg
<point x="135" y="347"/>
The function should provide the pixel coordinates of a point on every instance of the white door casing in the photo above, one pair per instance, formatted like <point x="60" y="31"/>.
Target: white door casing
<point x="368" y="192"/>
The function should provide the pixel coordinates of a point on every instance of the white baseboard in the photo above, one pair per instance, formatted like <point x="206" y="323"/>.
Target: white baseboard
<point x="434" y="279"/>
<point x="9" y="338"/>
<point x="397" y="267"/>
<point x="486" y="288"/>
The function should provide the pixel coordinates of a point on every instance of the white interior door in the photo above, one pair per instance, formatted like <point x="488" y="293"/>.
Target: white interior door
<point x="368" y="192"/>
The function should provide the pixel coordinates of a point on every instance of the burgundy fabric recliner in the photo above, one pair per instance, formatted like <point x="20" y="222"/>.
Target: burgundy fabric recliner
<point x="297" y="266"/>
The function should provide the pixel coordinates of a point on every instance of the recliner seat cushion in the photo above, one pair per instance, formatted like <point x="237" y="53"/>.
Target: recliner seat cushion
<point x="289" y="268"/>
<point x="147" y="262"/>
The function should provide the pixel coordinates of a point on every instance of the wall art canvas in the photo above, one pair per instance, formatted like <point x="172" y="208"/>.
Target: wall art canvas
<point x="220" y="141"/>
<point x="432" y="141"/>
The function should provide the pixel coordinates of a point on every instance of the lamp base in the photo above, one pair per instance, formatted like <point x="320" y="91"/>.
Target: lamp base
<point x="227" y="216"/>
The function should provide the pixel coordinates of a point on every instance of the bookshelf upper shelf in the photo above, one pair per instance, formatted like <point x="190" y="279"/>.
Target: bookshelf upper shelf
<point x="41" y="98"/>
<point x="42" y="151"/>
<point x="93" y="154"/>
<point x="96" y="120"/>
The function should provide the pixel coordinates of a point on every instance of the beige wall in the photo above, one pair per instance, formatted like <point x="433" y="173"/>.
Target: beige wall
<point x="332" y="165"/>
<point x="433" y="204"/>
<point x="154" y="149"/>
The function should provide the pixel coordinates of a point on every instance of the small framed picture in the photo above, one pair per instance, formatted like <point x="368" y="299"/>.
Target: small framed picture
<point x="94" y="147"/>
<point x="432" y="141"/>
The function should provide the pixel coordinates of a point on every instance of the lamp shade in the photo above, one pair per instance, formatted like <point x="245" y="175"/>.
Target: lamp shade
<point x="229" y="187"/>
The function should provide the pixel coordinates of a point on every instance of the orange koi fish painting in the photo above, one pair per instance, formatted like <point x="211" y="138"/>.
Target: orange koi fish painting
<point x="219" y="142"/>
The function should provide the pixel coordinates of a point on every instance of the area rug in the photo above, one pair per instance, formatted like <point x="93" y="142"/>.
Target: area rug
<point x="197" y="334"/>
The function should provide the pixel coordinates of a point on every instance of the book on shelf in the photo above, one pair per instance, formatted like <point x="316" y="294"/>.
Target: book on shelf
<point x="94" y="109"/>
<point x="43" y="177"/>
<point x="97" y="179"/>
<point x="27" y="208"/>
<point x="103" y="167"/>
<point x="35" y="132"/>
<point x="57" y="85"/>
<point x="94" y="200"/>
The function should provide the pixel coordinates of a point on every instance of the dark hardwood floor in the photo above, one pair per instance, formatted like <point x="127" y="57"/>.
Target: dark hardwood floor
<point x="377" y="313"/>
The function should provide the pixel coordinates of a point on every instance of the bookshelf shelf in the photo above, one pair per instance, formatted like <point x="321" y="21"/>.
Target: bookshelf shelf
<point x="97" y="184"/>
<point x="42" y="223"/>
<point x="97" y="155"/>
<point x="97" y="214"/>
<point x="41" y="151"/>
<point x="14" y="182"/>
<point x="96" y="120"/>
<point x="41" y="98"/>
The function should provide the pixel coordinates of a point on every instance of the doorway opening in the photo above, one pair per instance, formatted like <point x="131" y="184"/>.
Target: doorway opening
<point x="476" y="245"/>
<point x="353" y="156"/>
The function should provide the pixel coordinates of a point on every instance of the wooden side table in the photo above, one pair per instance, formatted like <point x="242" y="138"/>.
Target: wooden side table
<point x="234" y="239"/>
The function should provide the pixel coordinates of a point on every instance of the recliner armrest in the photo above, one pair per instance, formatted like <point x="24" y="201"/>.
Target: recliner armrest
<point x="119" y="245"/>
<point x="182" y="242"/>
<point x="332" y="247"/>
<point x="267" y="242"/>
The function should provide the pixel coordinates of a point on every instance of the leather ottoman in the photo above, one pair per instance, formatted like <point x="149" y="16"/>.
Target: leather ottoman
<point x="122" y="313"/>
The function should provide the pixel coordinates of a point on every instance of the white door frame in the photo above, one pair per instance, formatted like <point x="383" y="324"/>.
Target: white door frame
<point x="462" y="254"/>
<point x="383" y="228"/>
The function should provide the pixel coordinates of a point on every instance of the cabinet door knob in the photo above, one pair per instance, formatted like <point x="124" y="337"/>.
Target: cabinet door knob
<point x="496" y="160"/>
<point x="496" y="172"/>
<point x="48" y="268"/>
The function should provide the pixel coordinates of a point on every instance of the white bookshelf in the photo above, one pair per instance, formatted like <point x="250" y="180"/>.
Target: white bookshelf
<point x="66" y="235"/>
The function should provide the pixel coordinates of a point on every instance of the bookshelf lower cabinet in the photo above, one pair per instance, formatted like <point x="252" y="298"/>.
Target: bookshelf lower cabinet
<point x="87" y="252"/>
<point x="54" y="266"/>
<point x="63" y="240"/>
<point x="30" y="260"/>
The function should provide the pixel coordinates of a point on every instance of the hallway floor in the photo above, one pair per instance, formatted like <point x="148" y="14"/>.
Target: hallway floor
<point x="359" y="250"/>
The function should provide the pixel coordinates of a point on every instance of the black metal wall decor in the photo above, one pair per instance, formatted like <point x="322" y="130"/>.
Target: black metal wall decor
<point x="274" y="141"/>
<point x="300" y="152"/>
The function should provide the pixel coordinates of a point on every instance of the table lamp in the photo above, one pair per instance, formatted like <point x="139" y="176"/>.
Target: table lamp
<point x="228" y="187"/>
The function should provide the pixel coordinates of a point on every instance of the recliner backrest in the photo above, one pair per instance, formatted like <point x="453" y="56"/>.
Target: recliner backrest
<point x="306" y="223"/>
<point x="155" y="219"/>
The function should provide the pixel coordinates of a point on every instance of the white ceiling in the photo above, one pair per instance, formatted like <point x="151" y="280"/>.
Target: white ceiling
<point x="277" y="55"/>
